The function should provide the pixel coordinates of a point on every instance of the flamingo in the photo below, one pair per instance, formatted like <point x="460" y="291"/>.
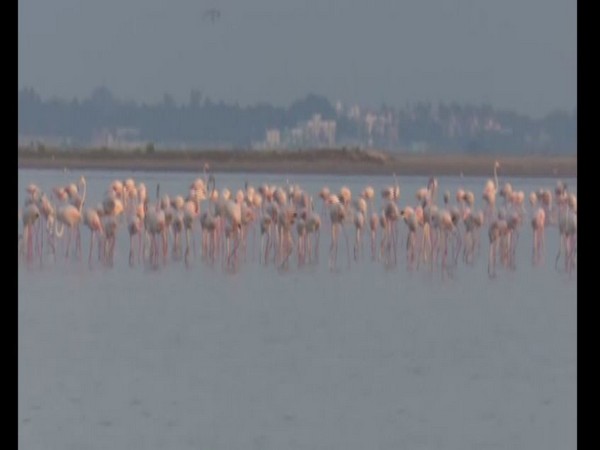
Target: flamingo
<point x="446" y="228"/>
<point x="538" y="223"/>
<point x="189" y="215"/>
<point x="489" y="193"/>
<point x="208" y="223"/>
<point x="432" y="188"/>
<point x="247" y="220"/>
<point x="135" y="228"/>
<point x="109" y="225"/>
<point x="265" y="229"/>
<point x="369" y="194"/>
<point x="313" y="227"/>
<point x="456" y="213"/>
<point x="392" y="214"/>
<point x="567" y="225"/>
<point x="155" y="224"/>
<point x="497" y="230"/>
<point x="31" y="214"/>
<point x="513" y="223"/>
<point x="373" y="223"/>
<point x="113" y="209"/>
<point x="324" y="193"/>
<point x="91" y="219"/>
<point x="473" y="222"/>
<point x="410" y="219"/>
<point x="287" y="217"/>
<point x="233" y="215"/>
<point x="545" y="198"/>
<point x="427" y="215"/>
<point x="176" y="208"/>
<point x="301" y="230"/>
<point x="48" y="215"/>
<point x="337" y="216"/>
<point x="70" y="216"/>
<point x="359" y="224"/>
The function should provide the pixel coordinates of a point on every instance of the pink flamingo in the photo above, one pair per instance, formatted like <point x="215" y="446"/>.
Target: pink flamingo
<point x="70" y="216"/>
<point x="31" y="214"/>
<point x="392" y="214"/>
<point x="373" y="223"/>
<point x="567" y="226"/>
<point x="287" y="217"/>
<point x="411" y="221"/>
<point x="497" y="230"/>
<point x="135" y="228"/>
<point x="232" y="213"/>
<point x="155" y="224"/>
<point x="91" y="219"/>
<point x="337" y="216"/>
<point x="209" y="225"/>
<point x="301" y="244"/>
<point x="265" y="229"/>
<point x="489" y="194"/>
<point x="189" y="215"/>
<point x="538" y="223"/>
<point x="313" y="227"/>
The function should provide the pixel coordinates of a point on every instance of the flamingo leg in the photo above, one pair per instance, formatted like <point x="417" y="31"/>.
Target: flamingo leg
<point x="534" y="253"/>
<point x="560" y="247"/>
<point x="187" y="247"/>
<point x="423" y="252"/>
<point x="542" y="244"/>
<point x="68" y="243"/>
<point x="41" y="232"/>
<point x="347" y="243"/>
<point x="317" y="246"/>
<point x="91" y="248"/>
<point x="131" y="255"/>
<point x="28" y="243"/>
<point x="567" y="255"/>
<point x="394" y="239"/>
<point x="165" y="237"/>
<point x="514" y="250"/>
<point x="458" y="243"/>
<point x="113" y="241"/>
<point x="267" y="247"/>
<point x="492" y="261"/>
<point x="373" y="238"/>
<point x="333" y="247"/>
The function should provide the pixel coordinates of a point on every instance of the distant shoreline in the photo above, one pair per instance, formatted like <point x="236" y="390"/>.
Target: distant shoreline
<point x="324" y="161"/>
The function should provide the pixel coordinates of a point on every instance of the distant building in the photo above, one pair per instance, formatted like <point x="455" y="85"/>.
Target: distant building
<point x="354" y="113"/>
<point x="273" y="138"/>
<point x="122" y="138"/>
<point x="320" y="132"/>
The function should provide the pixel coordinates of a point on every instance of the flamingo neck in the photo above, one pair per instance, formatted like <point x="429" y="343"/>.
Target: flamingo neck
<point x="62" y="228"/>
<point x="495" y="177"/>
<point x="83" y="196"/>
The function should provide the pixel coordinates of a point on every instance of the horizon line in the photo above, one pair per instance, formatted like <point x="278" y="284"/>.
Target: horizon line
<point x="203" y="98"/>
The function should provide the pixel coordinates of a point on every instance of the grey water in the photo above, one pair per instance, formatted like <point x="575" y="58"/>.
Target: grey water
<point x="363" y="357"/>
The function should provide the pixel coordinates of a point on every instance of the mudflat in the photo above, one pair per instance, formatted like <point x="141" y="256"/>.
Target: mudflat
<point x="321" y="161"/>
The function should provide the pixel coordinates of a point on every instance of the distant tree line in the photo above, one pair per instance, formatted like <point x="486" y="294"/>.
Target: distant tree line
<point x="203" y="122"/>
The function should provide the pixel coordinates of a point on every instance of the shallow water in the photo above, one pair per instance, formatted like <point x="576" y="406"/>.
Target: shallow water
<point x="362" y="357"/>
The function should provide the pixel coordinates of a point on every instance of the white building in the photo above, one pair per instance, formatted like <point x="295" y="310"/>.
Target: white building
<point x="273" y="139"/>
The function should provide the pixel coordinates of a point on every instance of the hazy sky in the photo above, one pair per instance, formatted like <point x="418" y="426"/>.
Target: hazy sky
<point x="517" y="54"/>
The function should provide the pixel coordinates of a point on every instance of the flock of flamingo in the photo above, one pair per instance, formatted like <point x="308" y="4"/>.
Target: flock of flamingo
<point x="168" y="227"/>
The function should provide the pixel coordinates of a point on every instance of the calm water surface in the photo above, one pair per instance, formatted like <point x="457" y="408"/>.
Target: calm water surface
<point x="361" y="358"/>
